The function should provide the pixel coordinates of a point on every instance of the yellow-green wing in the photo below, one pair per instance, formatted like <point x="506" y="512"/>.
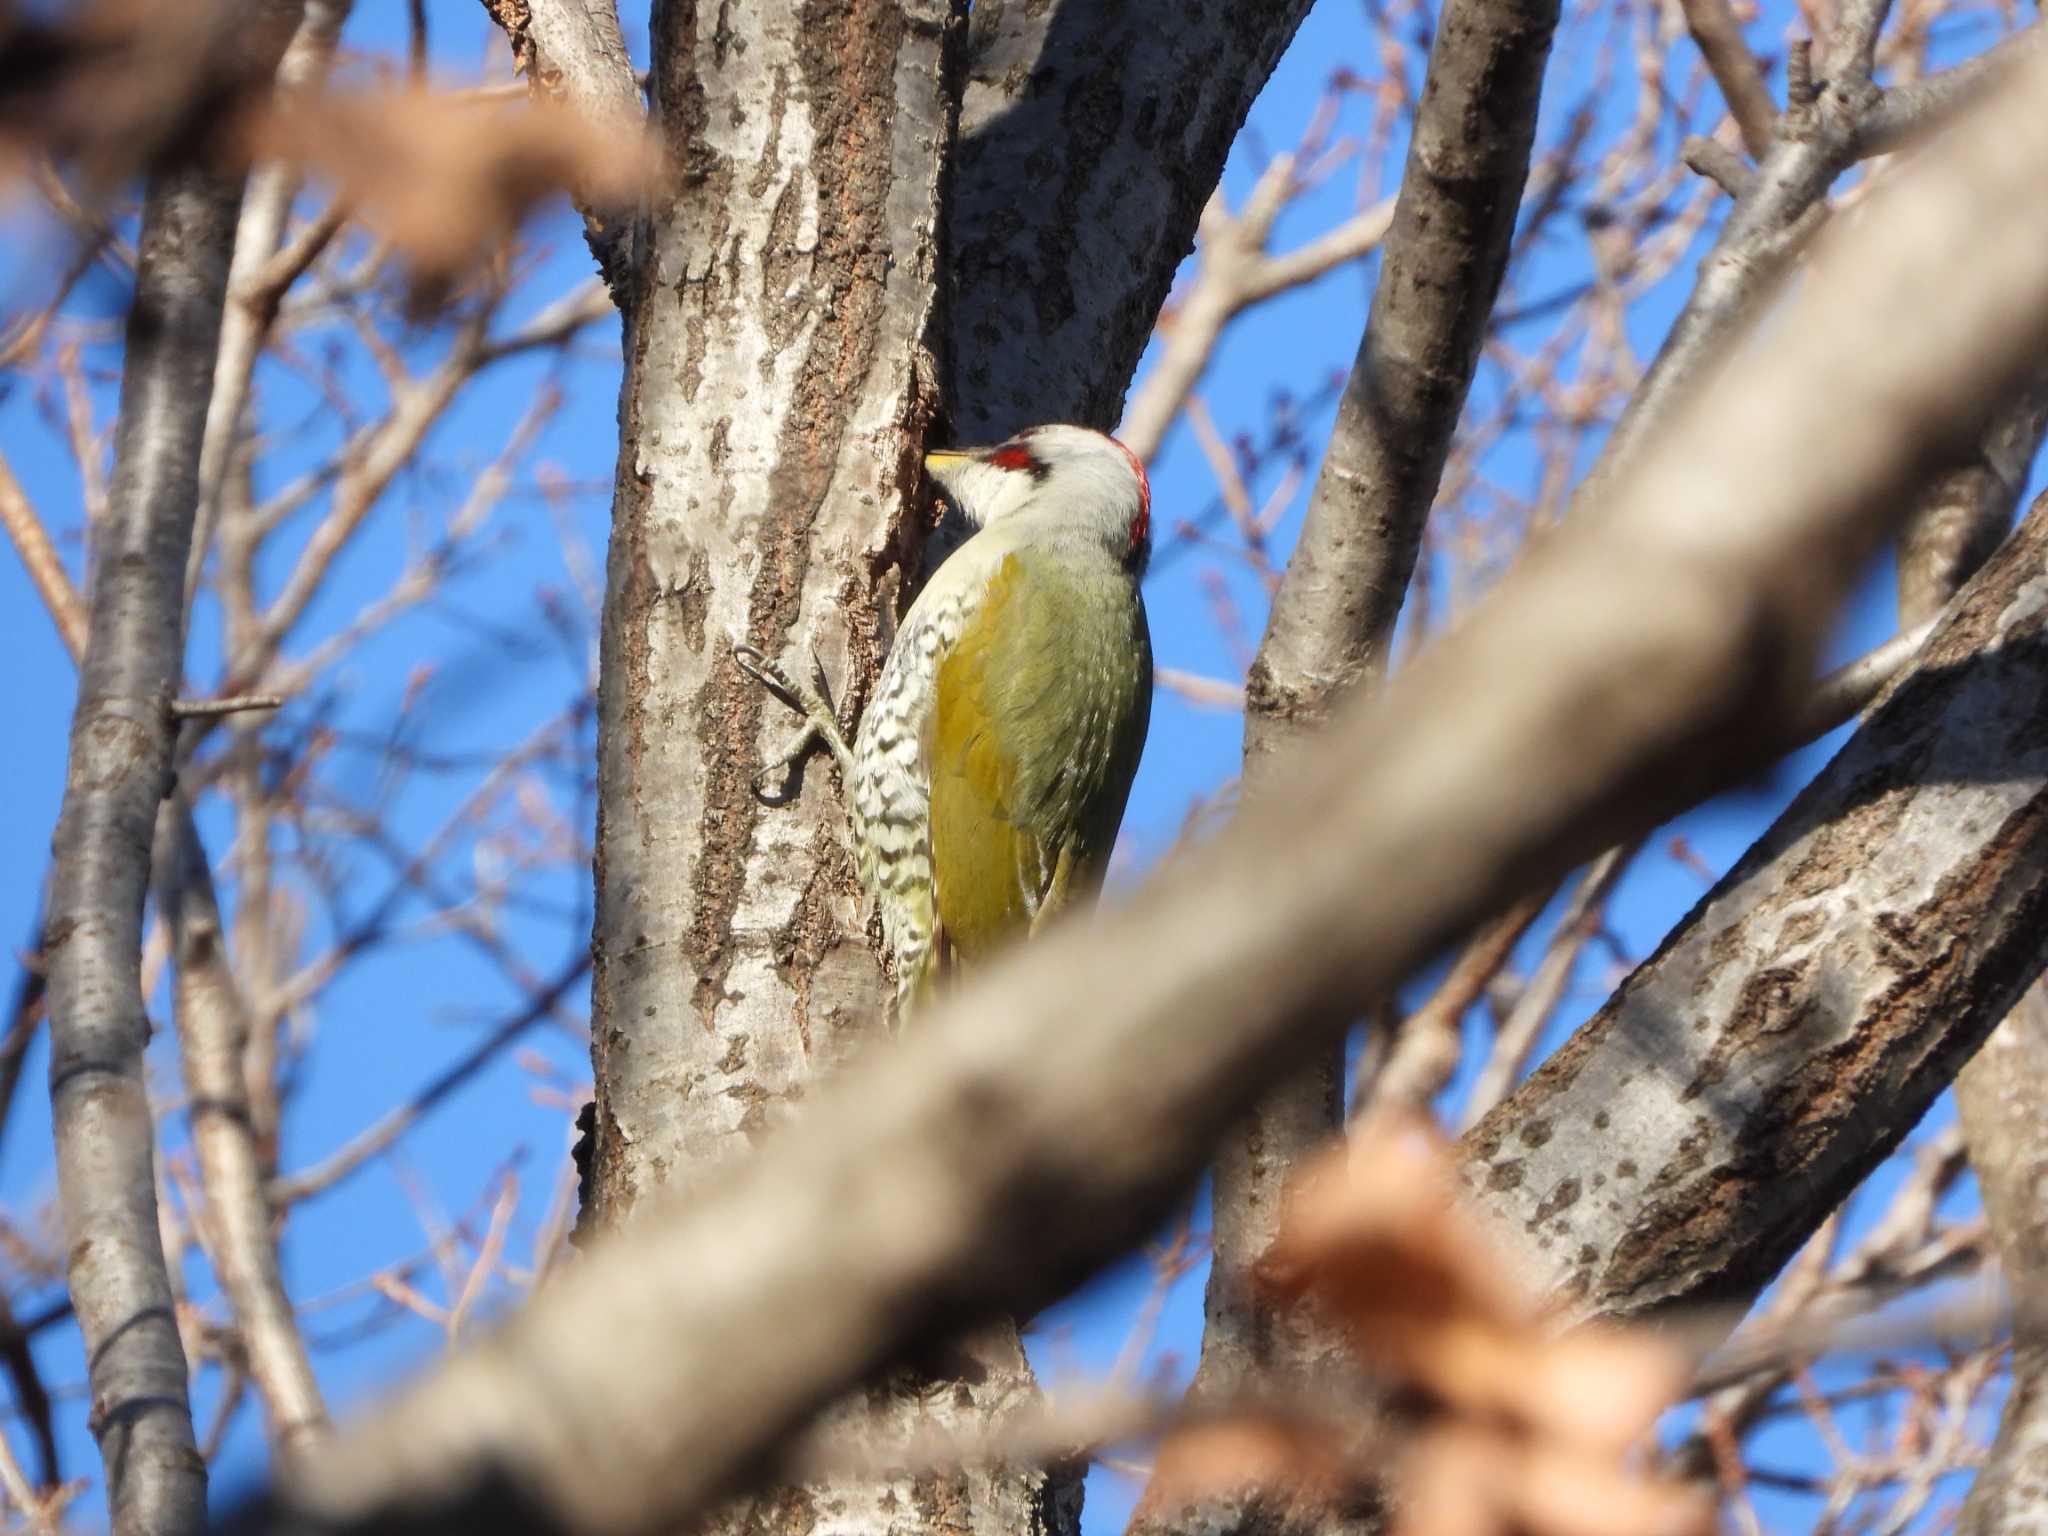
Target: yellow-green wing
<point x="1040" y="717"/>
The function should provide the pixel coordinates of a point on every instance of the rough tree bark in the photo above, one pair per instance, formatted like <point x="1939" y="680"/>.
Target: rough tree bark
<point x="119" y="772"/>
<point x="1780" y="1043"/>
<point x="771" y="423"/>
<point x="1333" y="618"/>
<point x="1091" y="134"/>
<point x="1999" y="1094"/>
<point x="1087" y="1074"/>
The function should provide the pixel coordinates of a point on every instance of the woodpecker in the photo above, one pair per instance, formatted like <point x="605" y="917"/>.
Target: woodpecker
<point x="990" y="771"/>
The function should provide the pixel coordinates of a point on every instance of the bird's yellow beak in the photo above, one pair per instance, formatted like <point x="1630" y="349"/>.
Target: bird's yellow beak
<point x="944" y="459"/>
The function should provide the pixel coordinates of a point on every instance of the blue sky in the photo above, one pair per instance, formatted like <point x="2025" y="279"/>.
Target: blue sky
<point x="499" y="668"/>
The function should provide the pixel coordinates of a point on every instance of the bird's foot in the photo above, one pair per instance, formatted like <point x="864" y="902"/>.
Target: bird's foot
<point x="814" y="705"/>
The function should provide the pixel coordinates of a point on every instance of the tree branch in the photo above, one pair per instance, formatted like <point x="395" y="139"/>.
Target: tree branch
<point x="119" y="772"/>
<point x="1440" y="271"/>
<point x="213" y="1034"/>
<point x="1962" y="520"/>
<point x="1999" y="1097"/>
<point x="1783" y="1040"/>
<point x="255" y="289"/>
<point x="1906" y="111"/>
<point x="1782" y="202"/>
<point x="1090" y="1072"/>
<point x="213" y="1030"/>
<point x="40" y="559"/>
<point x="1714" y="27"/>
<point x="1236" y="272"/>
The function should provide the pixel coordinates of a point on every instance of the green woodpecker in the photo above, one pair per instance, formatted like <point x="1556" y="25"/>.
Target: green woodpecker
<point x="989" y="774"/>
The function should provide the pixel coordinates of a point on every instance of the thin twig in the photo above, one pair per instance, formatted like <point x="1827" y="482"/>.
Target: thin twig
<point x="203" y="709"/>
<point x="1714" y="27"/>
<point x="39" y="558"/>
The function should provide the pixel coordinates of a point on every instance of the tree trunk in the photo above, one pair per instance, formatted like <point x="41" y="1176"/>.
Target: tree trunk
<point x="1091" y="134"/>
<point x="771" y="422"/>
<point x="119" y="771"/>
<point x="2007" y="1129"/>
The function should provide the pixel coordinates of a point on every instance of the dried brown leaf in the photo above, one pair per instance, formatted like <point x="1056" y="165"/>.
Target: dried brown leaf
<point x="113" y="86"/>
<point x="1531" y="1430"/>
<point x="1374" y="1233"/>
<point x="1469" y="1479"/>
<point x="447" y="180"/>
<point x="1212" y="1458"/>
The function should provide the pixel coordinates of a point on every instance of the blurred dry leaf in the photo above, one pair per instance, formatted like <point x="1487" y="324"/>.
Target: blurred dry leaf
<point x="1526" y="1432"/>
<point x="1467" y="1479"/>
<point x="1204" y="1460"/>
<point x="112" y="86"/>
<point x="446" y="179"/>
<point x="1374" y="1233"/>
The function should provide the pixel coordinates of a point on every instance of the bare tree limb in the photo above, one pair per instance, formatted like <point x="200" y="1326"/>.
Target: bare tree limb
<point x="1906" y="111"/>
<point x="1520" y="1030"/>
<point x="386" y="1130"/>
<point x="1786" y="1037"/>
<point x="1235" y="271"/>
<point x="119" y="772"/>
<point x="1998" y="1095"/>
<point x="1440" y="270"/>
<point x="1089" y="1074"/>
<point x="233" y="704"/>
<point x="1968" y="512"/>
<point x="254" y="290"/>
<point x="1719" y="164"/>
<point x="1782" y="202"/>
<point x="213" y="1029"/>
<point x="1714" y="27"/>
<point x="39" y="558"/>
<point x="1333" y="617"/>
<point x="1428" y="1048"/>
<point x="213" y="1034"/>
<point x="1848" y="690"/>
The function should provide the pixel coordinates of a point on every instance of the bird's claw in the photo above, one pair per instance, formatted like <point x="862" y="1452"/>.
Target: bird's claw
<point x="784" y="768"/>
<point x="758" y="665"/>
<point x="821" y="722"/>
